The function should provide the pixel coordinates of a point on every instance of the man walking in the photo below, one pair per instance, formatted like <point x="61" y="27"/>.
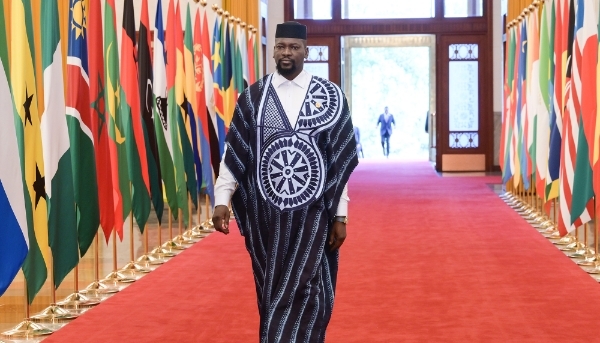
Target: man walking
<point x="386" y="120"/>
<point x="290" y="150"/>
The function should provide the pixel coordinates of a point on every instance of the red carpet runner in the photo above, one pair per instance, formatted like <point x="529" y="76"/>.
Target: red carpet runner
<point x="427" y="259"/>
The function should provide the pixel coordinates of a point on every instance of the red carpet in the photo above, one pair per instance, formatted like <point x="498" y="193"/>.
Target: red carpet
<point x="427" y="259"/>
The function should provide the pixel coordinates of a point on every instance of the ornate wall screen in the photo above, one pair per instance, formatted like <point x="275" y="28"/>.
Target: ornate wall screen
<point x="317" y="62"/>
<point x="463" y="96"/>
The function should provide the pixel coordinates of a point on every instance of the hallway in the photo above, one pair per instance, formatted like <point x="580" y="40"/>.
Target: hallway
<point x="427" y="259"/>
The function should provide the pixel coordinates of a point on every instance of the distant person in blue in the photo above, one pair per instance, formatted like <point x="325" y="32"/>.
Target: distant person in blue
<point x="359" y="151"/>
<point x="386" y="120"/>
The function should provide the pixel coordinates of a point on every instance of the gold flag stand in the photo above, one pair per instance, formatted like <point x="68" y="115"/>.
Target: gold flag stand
<point x="148" y="259"/>
<point x="132" y="266"/>
<point x="159" y="251"/>
<point x="180" y="240"/>
<point x="594" y="259"/>
<point x="583" y="250"/>
<point x="77" y="300"/>
<point x="53" y="313"/>
<point x="193" y="234"/>
<point x="117" y="276"/>
<point x="197" y="231"/>
<point x="97" y="288"/>
<point x="27" y="328"/>
<point x="170" y="246"/>
<point x="207" y="226"/>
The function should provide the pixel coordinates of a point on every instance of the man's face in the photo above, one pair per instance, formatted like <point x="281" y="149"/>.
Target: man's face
<point x="289" y="55"/>
<point x="386" y="110"/>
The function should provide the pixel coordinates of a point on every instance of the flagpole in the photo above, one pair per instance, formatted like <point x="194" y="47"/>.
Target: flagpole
<point x="27" y="328"/>
<point x="207" y="226"/>
<point x="195" y="231"/>
<point x="76" y="299"/>
<point x="582" y="250"/>
<point x="159" y="251"/>
<point x="132" y="266"/>
<point x="180" y="239"/>
<point x="116" y="276"/>
<point x="596" y="259"/>
<point x="98" y="287"/>
<point x="53" y="312"/>
<point x="146" y="260"/>
<point x="170" y="245"/>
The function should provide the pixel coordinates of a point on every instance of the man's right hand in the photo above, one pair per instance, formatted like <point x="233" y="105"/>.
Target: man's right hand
<point x="221" y="219"/>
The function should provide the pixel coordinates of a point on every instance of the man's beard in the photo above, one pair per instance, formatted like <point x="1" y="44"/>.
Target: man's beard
<point x="286" y="72"/>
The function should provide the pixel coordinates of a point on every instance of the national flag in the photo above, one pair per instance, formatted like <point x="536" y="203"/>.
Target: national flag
<point x="174" y="112"/>
<point x="184" y="107"/>
<point x="145" y="80"/>
<point x="522" y="160"/>
<point x="585" y="56"/>
<point x="132" y="120"/>
<point x="109" y="195"/>
<point x="62" y="219"/>
<point x="162" y="125"/>
<point x="534" y="97"/>
<point x="242" y="37"/>
<point x="545" y="86"/>
<point x="116" y="128"/>
<point x="239" y="83"/>
<point x="218" y="66"/>
<point x="191" y="99"/>
<point x="595" y="146"/>
<point x="514" y="152"/>
<point x="556" y="110"/>
<point x="229" y="90"/>
<point x="570" y="133"/>
<point x="79" y="120"/>
<point x="508" y="120"/>
<point x="203" y="110"/>
<point x="256" y="49"/>
<point x="14" y="238"/>
<point x="211" y="93"/>
<point x="22" y="57"/>
<point x="250" y="56"/>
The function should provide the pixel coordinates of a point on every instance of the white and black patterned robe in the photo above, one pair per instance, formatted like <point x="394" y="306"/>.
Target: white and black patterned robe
<point x="290" y="180"/>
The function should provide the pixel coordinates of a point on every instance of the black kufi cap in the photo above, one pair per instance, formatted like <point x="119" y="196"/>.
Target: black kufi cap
<point x="290" y="29"/>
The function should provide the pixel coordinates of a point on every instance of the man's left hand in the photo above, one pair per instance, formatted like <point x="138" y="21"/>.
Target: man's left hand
<point x="337" y="235"/>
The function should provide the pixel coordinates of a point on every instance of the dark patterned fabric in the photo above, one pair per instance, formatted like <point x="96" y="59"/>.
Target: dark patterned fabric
<point x="290" y="178"/>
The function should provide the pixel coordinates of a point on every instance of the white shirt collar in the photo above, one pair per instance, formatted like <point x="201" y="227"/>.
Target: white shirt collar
<point x="302" y="80"/>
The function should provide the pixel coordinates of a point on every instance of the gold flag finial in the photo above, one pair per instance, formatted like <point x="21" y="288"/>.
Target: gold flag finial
<point x="215" y="7"/>
<point x="203" y="3"/>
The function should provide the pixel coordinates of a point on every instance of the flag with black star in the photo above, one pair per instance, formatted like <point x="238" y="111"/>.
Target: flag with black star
<point x="26" y="102"/>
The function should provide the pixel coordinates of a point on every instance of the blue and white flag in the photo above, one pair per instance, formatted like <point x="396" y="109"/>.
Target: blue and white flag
<point x="14" y="241"/>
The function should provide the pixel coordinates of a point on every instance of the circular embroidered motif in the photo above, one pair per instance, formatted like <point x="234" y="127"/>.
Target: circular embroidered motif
<point x="290" y="172"/>
<point x="321" y="105"/>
